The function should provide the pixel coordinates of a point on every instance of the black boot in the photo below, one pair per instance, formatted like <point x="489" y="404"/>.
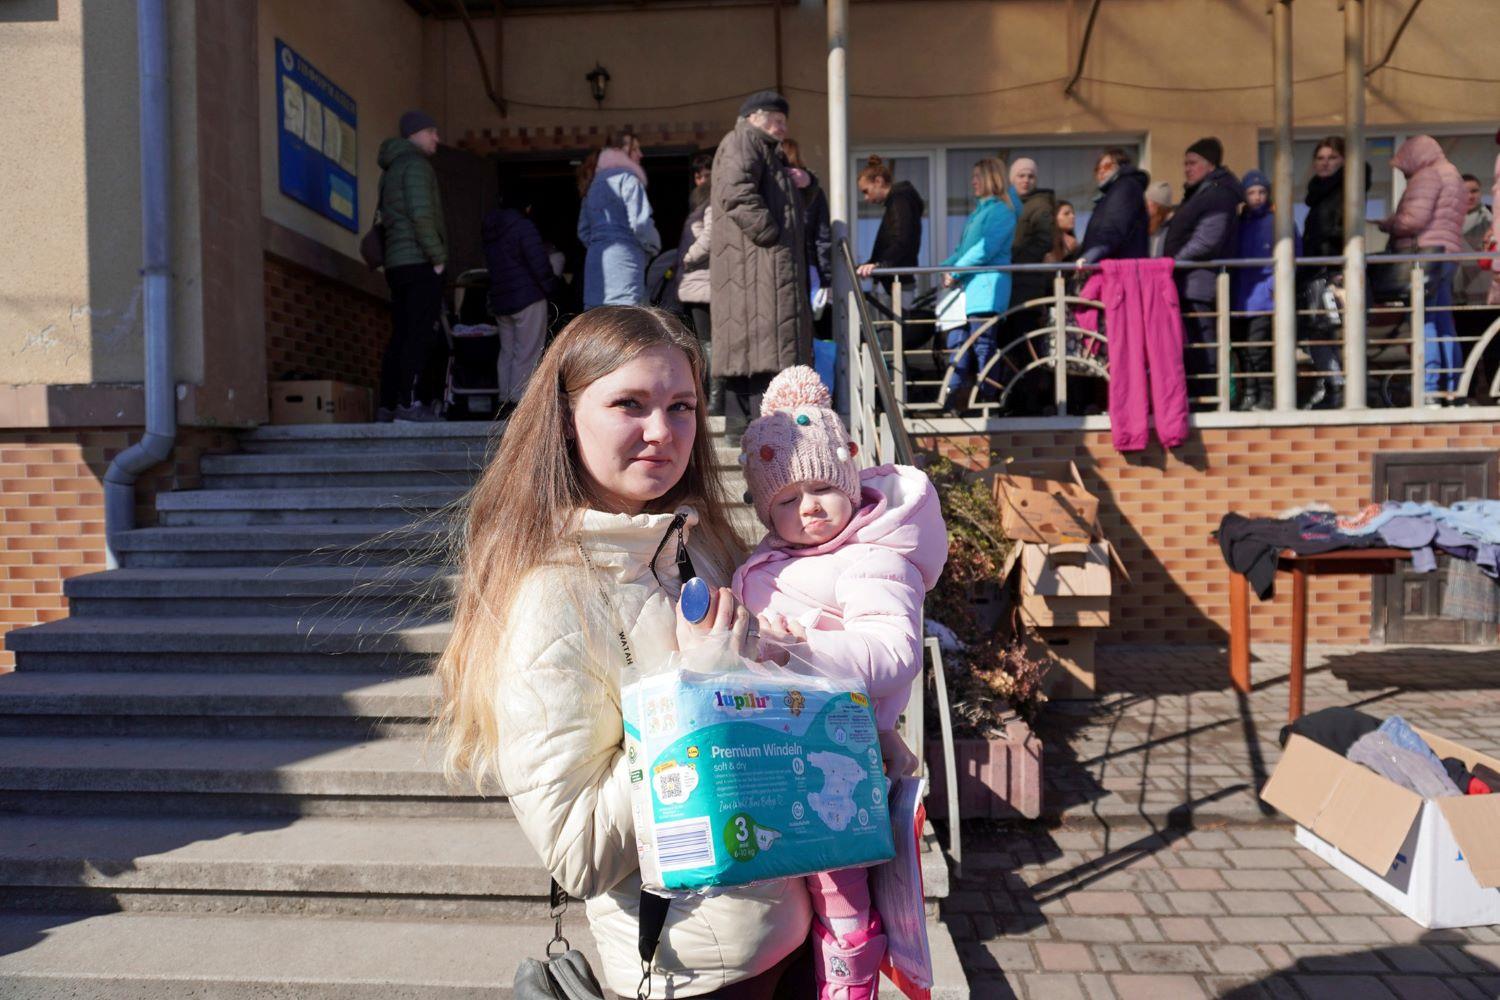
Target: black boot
<point x="716" y="397"/>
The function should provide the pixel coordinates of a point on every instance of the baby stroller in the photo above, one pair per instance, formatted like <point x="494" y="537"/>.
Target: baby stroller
<point x="473" y="351"/>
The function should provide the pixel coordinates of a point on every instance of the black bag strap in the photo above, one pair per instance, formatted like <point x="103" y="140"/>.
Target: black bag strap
<point x="653" y="920"/>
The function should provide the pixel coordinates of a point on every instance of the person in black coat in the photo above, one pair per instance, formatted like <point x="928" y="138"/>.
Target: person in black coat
<point x="1204" y="227"/>
<point x="1323" y="236"/>
<point x="898" y="241"/>
<point x="1117" y="229"/>
<point x="521" y="281"/>
<point x="817" y="226"/>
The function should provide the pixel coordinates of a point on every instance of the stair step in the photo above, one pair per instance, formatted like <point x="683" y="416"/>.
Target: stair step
<point x="283" y="544"/>
<point x="327" y="505"/>
<point x="390" y="591"/>
<point x="346" y="706"/>
<point x="310" y="864"/>
<point x="455" y="435"/>
<point x="279" y="776"/>
<point x="159" y="956"/>
<point x="301" y="470"/>
<point x="328" y="643"/>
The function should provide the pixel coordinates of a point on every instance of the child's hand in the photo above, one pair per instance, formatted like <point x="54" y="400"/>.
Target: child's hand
<point x="899" y="761"/>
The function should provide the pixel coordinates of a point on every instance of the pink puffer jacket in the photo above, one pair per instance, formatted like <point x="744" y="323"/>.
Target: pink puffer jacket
<point x="859" y="596"/>
<point x="1431" y="212"/>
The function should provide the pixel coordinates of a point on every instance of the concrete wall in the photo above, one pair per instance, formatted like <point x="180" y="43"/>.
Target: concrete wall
<point x="372" y="49"/>
<point x="1168" y="70"/>
<point x="70" y="308"/>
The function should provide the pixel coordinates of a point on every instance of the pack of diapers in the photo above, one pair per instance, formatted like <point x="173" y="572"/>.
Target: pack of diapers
<point x="739" y="777"/>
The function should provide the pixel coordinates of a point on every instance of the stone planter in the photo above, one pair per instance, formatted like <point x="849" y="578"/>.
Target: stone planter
<point x="997" y="779"/>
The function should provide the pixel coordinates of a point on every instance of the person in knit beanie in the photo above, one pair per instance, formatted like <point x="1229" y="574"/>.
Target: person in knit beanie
<point x="839" y="582"/>
<point x="798" y="439"/>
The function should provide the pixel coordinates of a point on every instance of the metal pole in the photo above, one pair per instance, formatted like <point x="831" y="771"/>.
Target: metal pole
<point x="898" y="340"/>
<point x="1060" y="337"/>
<point x="1354" y="205"/>
<point x="838" y="194"/>
<point x="1222" y="332"/>
<point x="1418" y="337"/>
<point x="1284" y="272"/>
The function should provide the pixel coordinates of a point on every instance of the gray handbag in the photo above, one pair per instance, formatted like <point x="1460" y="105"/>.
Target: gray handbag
<point x="565" y="974"/>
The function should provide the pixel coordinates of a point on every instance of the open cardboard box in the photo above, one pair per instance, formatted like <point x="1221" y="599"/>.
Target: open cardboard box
<point x="1435" y="860"/>
<point x="1068" y="585"/>
<point x="1046" y="502"/>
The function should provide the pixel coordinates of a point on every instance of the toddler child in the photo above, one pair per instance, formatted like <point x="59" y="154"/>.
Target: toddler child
<point x="840" y="578"/>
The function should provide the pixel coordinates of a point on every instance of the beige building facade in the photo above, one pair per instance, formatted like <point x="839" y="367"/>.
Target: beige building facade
<point x="265" y="286"/>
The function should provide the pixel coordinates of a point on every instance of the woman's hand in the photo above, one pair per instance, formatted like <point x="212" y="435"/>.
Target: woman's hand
<point x="725" y="614"/>
<point x="865" y="270"/>
<point x="899" y="761"/>
<point x="949" y="281"/>
<point x="776" y="634"/>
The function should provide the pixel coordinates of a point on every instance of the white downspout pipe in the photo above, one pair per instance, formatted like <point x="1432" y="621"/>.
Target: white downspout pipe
<point x="1284" y="319"/>
<point x="156" y="238"/>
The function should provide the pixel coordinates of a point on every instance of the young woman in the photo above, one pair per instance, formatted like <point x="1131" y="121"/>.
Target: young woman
<point x="563" y="570"/>
<point x="986" y="239"/>
<point x="616" y="227"/>
<point x="1064" y="234"/>
<point x="898" y="241"/>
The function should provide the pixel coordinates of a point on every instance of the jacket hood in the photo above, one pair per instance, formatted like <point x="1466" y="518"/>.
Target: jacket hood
<point x="616" y="159"/>
<point x="393" y="149"/>
<point x="899" y="512"/>
<point x="1417" y="152"/>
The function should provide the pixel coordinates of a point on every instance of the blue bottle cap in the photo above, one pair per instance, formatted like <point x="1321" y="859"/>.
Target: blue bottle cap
<point x="696" y="598"/>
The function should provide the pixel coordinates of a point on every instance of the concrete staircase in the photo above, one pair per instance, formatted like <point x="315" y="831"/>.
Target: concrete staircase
<point x="215" y="779"/>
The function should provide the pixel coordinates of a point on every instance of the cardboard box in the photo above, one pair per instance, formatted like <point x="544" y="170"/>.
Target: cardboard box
<point x="1066" y="585"/>
<point x="1067" y="657"/>
<point x="1435" y="860"/>
<point x="319" y="401"/>
<point x="1044" y="502"/>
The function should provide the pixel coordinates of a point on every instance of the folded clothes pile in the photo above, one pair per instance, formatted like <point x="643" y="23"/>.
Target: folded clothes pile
<point x="1395" y="751"/>
<point x="1469" y="531"/>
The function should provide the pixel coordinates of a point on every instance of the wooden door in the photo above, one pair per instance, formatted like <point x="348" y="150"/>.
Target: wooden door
<point x="1408" y="605"/>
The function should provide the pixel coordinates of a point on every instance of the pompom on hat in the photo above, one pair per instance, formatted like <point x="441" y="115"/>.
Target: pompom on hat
<point x="797" y="439"/>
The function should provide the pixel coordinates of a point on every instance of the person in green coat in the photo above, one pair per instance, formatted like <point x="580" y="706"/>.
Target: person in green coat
<point x="986" y="240"/>
<point x="416" y="251"/>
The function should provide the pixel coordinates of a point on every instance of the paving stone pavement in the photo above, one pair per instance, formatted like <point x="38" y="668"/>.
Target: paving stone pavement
<point x="1156" y="873"/>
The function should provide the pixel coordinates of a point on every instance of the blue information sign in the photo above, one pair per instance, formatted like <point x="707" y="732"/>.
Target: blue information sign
<point x="318" y="129"/>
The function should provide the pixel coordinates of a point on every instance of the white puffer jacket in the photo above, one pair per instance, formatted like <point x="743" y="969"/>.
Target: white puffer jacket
<point x="562" y="761"/>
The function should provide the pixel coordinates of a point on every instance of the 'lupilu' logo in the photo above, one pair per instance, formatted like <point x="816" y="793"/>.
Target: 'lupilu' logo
<point x="744" y="701"/>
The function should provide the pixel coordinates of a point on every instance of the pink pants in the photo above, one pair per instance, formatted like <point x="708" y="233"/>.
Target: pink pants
<point x="844" y="893"/>
<point x="1144" y="327"/>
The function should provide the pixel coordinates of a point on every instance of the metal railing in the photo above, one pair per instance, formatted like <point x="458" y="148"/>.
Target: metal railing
<point x="1036" y="359"/>
<point x="879" y="428"/>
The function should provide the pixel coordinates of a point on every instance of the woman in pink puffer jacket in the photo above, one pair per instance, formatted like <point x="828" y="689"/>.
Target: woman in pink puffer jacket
<point x="1430" y="218"/>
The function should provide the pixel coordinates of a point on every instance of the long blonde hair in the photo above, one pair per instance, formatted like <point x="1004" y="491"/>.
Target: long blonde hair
<point x="994" y="178"/>
<point x="517" y="509"/>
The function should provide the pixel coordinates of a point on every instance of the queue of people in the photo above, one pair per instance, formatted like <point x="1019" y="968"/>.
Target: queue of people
<point x="754" y="258"/>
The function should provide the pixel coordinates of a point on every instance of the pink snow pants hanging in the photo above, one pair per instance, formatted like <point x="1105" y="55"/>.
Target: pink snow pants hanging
<point x="1146" y="376"/>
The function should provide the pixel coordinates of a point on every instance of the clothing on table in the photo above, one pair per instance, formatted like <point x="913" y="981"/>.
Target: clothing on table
<point x="1421" y="773"/>
<point x="523" y="334"/>
<point x="1470" y="594"/>
<point x="1144" y="332"/>
<point x="1252" y="546"/>
<point x="415" y="360"/>
<point x="1355" y="524"/>
<point x="1335" y="728"/>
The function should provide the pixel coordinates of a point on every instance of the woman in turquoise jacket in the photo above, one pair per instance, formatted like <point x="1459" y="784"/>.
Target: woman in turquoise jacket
<point x="986" y="240"/>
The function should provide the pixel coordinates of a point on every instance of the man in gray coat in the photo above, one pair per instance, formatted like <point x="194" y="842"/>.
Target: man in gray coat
<point x="761" y="314"/>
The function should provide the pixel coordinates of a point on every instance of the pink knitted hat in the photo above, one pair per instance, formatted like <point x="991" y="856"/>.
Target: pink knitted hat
<point x="797" y="439"/>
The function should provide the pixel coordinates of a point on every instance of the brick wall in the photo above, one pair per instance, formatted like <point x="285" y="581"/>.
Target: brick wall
<point x="1158" y="510"/>
<point x="321" y="327"/>
<point x="52" y="510"/>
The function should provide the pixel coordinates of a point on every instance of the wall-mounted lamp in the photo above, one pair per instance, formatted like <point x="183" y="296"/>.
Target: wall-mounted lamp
<point x="598" y="79"/>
